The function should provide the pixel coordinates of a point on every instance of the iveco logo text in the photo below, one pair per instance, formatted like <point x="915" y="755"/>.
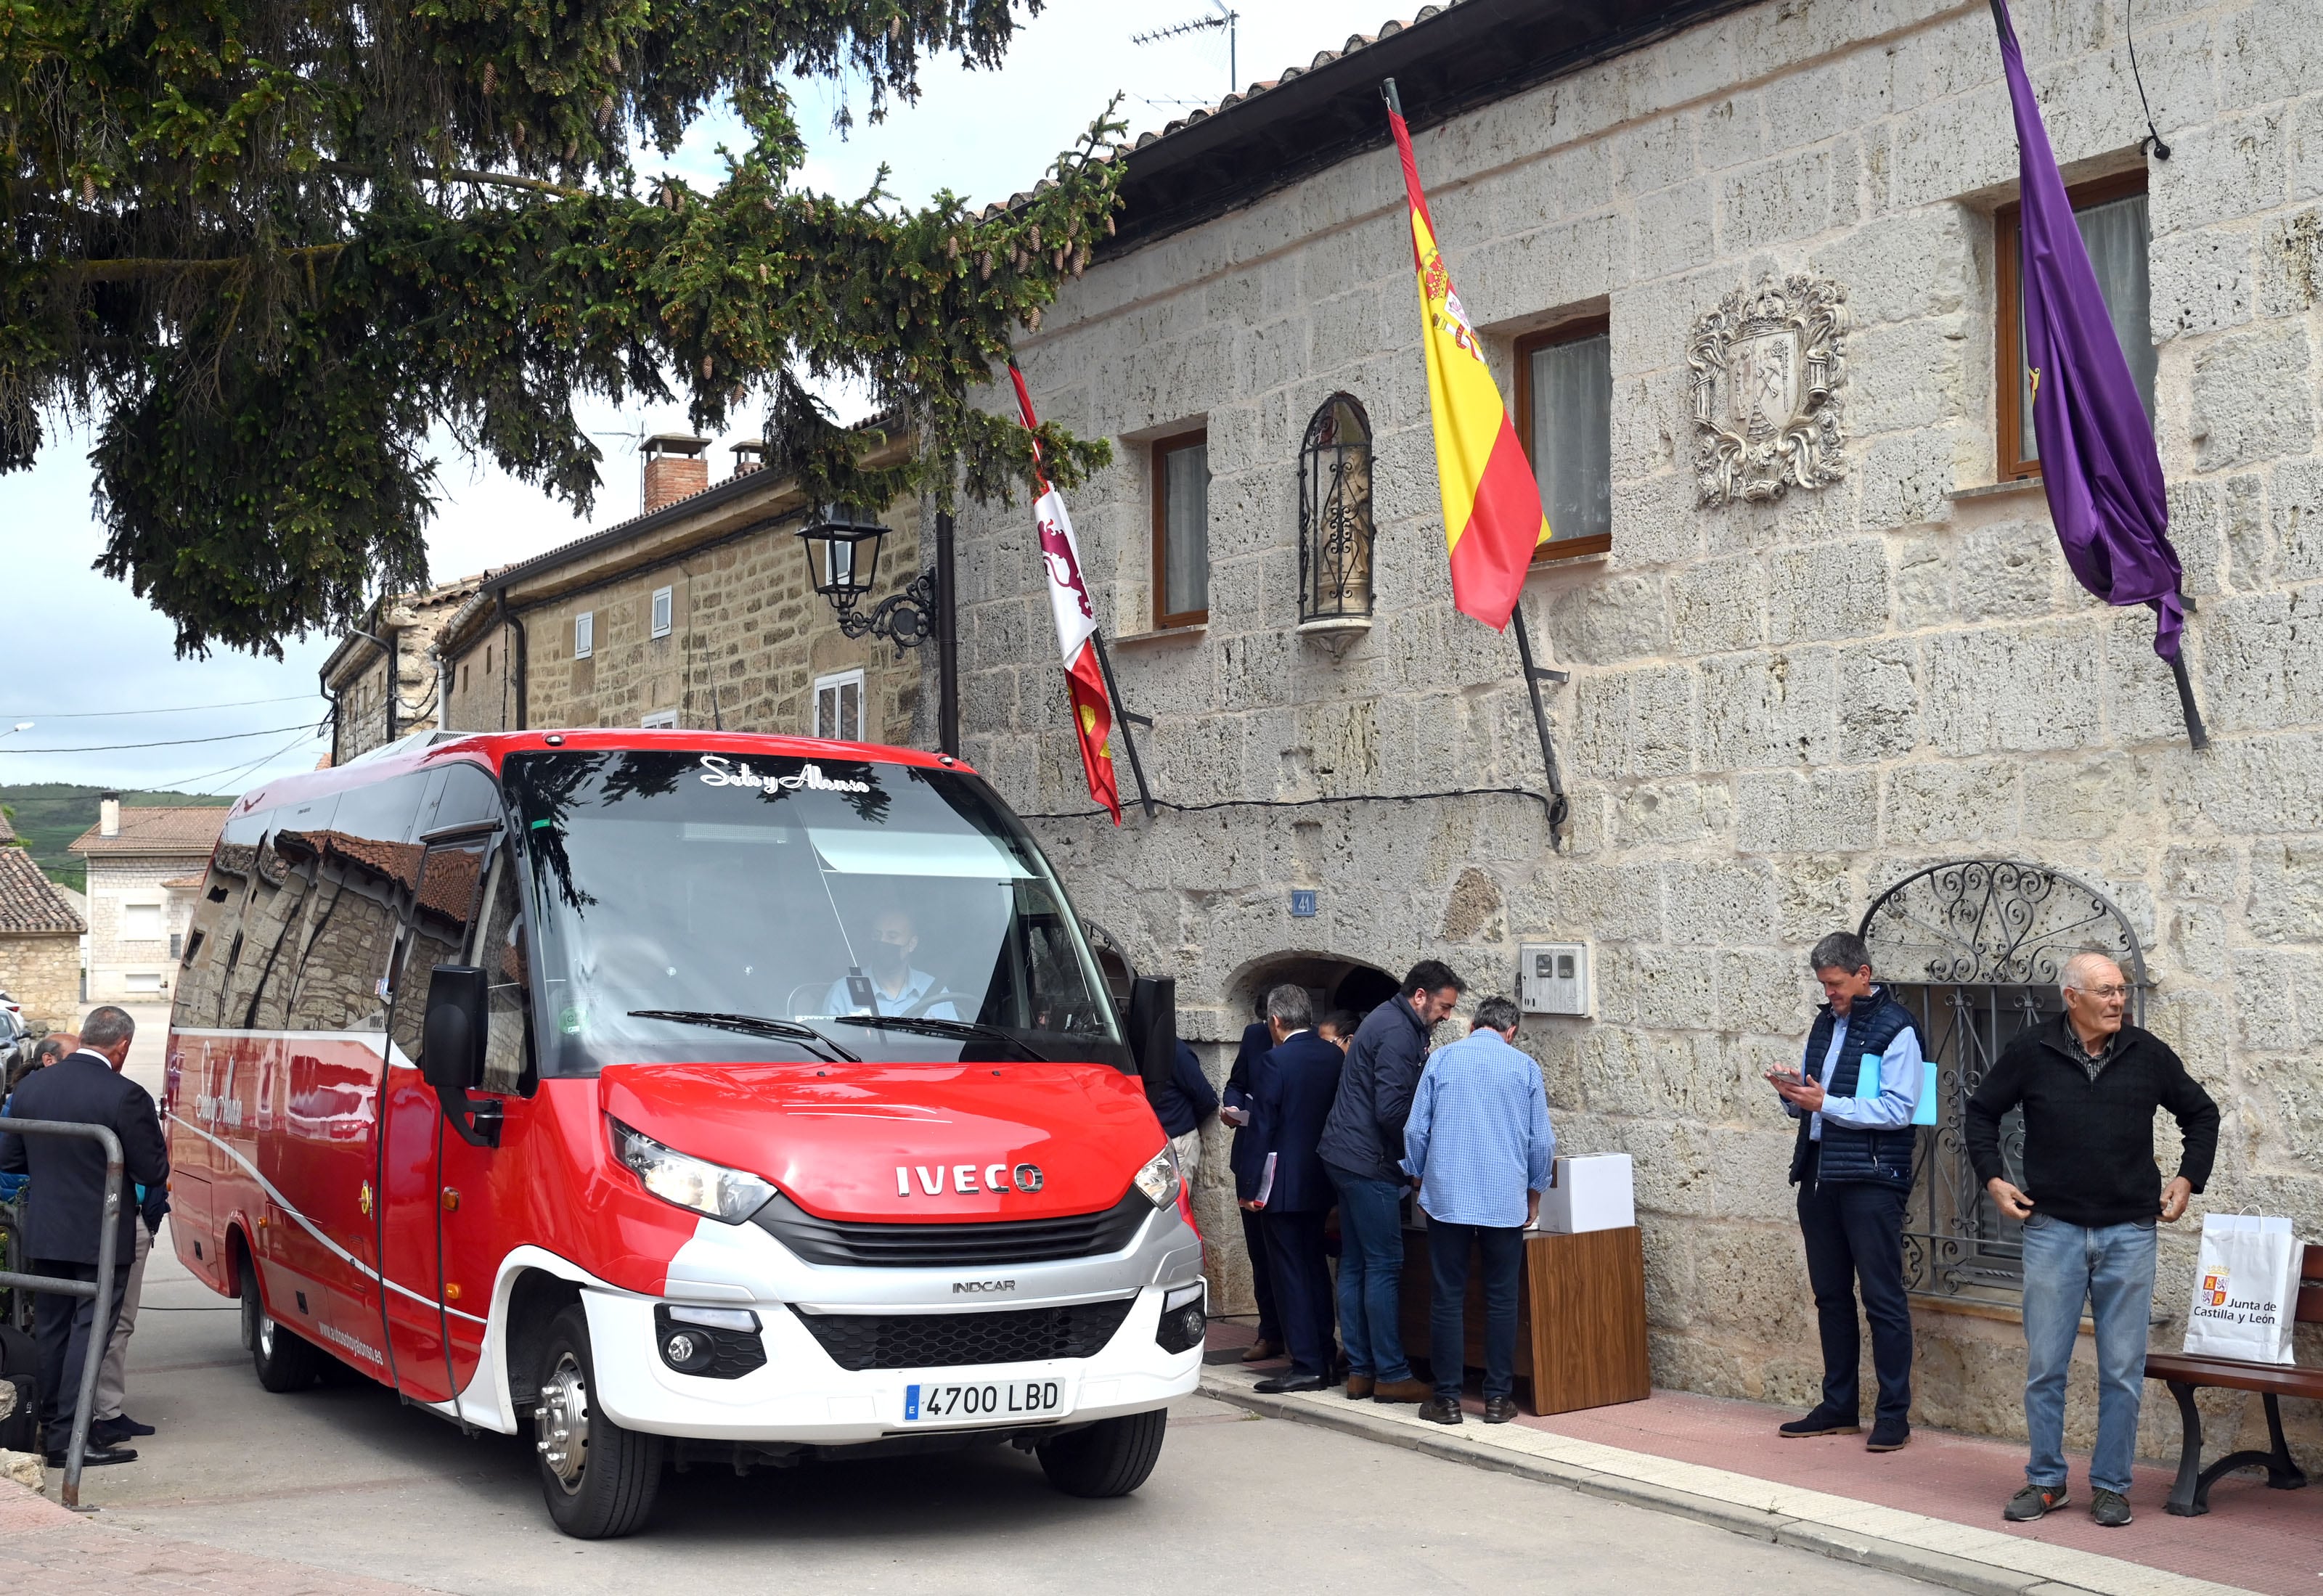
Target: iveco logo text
<point x="963" y="1178"/>
<point x="959" y="1286"/>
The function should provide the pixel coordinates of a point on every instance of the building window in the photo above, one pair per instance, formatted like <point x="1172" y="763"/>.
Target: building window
<point x="839" y="706"/>
<point x="1974" y="948"/>
<point x="660" y="720"/>
<point x="142" y="981"/>
<point x="1181" y="530"/>
<point x="176" y="945"/>
<point x="661" y="613"/>
<point x="584" y="634"/>
<point x="2111" y="215"/>
<point x="464" y="677"/>
<point x="1335" y="512"/>
<point x="1565" y="415"/>
<point x="141" y="922"/>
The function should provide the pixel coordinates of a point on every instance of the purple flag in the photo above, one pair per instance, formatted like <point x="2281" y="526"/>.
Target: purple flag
<point x="2097" y="460"/>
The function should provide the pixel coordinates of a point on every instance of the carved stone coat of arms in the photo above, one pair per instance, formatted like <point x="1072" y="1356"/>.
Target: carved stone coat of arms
<point x="1769" y="364"/>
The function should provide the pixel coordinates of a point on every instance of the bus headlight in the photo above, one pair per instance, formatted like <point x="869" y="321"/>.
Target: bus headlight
<point x="728" y="1195"/>
<point x="1159" y="1180"/>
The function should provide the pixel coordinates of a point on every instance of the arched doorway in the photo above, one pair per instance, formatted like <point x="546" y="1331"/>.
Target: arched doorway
<point x="1974" y="948"/>
<point x="1331" y="981"/>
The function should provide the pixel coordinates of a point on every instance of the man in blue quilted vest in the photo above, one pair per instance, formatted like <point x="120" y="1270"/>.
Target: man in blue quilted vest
<point x="1854" y="1097"/>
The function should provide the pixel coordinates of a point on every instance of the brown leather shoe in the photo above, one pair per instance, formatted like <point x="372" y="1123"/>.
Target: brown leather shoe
<point x="1499" y="1410"/>
<point x="1261" y="1350"/>
<point x="1359" y="1386"/>
<point x="1401" y="1391"/>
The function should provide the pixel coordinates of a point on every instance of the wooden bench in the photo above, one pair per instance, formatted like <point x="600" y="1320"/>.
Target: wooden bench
<point x="2273" y="1381"/>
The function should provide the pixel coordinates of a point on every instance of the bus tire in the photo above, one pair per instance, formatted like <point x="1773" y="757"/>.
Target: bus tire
<point x="1111" y="1458"/>
<point x="598" y="1479"/>
<point x="284" y="1361"/>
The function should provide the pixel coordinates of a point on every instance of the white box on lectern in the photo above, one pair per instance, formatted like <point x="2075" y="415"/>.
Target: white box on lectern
<point x="1594" y="1192"/>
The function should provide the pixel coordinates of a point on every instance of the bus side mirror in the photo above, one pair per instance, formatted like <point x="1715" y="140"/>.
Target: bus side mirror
<point x="452" y="1050"/>
<point x="1153" y="1029"/>
<point x="451" y="1034"/>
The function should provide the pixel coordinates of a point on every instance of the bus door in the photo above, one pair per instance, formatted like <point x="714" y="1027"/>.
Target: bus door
<point x="415" y="1202"/>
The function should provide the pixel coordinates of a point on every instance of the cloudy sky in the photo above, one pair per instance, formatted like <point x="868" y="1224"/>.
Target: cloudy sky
<point x="93" y="669"/>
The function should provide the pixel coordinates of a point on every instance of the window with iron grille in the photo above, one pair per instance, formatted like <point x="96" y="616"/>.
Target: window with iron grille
<point x="1974" y="948"/>
<point x="1335" y="512"/>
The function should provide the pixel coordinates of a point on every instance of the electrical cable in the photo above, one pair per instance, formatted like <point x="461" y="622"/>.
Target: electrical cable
<point x="188" y="781"/>
<point x="240" y="703"/>
<point x="174" y="742"/>
<point x="242" y="773"/>
<point x="1546" y="808"/>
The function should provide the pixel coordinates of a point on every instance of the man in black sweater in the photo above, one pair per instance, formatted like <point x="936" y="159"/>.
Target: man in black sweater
<point x="2088" y="1085"/>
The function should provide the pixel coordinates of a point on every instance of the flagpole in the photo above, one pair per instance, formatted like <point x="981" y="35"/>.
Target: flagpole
<point x="2196" y="732"/>
<point x="1123" y="719"/>
<point x="1534" y="676"/>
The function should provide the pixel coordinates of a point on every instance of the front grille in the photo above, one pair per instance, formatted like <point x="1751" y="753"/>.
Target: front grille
<point x="945" y="1341"/>
<point x="970" y="1246"/>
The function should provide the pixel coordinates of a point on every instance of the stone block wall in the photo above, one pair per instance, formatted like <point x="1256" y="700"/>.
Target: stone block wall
<point x="1776" y="710"/>
<point x="112" y="883"/>
<point x="744" y="623"/>
<point x="42" y="972"/>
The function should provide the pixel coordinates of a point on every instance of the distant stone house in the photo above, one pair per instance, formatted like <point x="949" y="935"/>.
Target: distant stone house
<point x="698" y="613"/>
<point x="145" y="865"/>
<point x="382" y="679"/>
<point x="40" y="939"/>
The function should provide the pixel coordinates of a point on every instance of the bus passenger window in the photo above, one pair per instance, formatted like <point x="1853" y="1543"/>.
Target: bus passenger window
<point x="438" y="933"/>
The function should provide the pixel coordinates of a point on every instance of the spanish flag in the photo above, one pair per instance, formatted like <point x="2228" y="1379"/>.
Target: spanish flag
<point x="1492" y="517"/>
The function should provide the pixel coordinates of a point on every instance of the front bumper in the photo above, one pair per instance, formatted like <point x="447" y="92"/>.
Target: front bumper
<point x="802" y="1396"/>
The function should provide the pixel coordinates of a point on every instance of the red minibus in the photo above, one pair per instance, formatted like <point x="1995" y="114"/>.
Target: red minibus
<point x="679" y="1097"/>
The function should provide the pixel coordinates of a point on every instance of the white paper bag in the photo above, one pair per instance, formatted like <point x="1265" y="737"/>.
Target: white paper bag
<point x="2246" y="1286"/>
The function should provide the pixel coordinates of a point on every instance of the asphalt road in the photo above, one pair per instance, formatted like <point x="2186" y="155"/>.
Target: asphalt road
<point x="344" y="1477"/>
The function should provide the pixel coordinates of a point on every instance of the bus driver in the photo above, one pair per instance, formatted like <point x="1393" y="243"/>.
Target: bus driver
<point x="893" y="986"/>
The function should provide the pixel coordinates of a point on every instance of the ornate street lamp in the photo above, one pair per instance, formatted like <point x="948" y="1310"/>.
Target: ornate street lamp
<point x="842" y="556"/>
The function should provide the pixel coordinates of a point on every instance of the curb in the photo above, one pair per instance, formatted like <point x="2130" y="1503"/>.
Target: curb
<point x="1988" y="1563"/>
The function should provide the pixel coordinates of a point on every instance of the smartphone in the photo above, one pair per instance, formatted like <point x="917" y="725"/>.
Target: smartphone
<point x="1789" y="1078"/>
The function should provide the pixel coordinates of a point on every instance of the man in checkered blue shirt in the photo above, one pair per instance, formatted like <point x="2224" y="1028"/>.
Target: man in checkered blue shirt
<point x="1479" y="1146"/>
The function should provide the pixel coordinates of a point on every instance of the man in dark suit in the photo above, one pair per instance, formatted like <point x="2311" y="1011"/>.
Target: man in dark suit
<point x="1234" y="1109"/>
<point x="1292" y="1088"/>
<point x="65" y="1207"/>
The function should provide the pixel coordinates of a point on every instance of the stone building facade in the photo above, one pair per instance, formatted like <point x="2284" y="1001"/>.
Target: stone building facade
<point x="40" y="939"/>
<point x="379" y="693"/>
<point x="145" y="865"/>
<point x="1778" y="709"/>
<point x="697" y="613"/>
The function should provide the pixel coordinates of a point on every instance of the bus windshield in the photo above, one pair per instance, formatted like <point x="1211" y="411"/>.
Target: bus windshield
<point x="704" y="906"/>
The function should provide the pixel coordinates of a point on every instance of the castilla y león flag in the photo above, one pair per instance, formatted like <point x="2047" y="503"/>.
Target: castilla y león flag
<point x="1069" y="601"/>
<point x="1492" y="517"/>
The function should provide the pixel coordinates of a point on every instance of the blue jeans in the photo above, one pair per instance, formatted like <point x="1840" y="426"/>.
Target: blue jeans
<point x="1371" y="1275"/>
<point x="2112" y="1271"/>
<point x="1502" y="1251"/>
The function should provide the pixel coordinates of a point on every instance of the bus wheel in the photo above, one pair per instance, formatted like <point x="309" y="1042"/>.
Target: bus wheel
<point x="599" y="1478"/>
<point x="1111" y="1458"/>
<point x="284" y="1361"/>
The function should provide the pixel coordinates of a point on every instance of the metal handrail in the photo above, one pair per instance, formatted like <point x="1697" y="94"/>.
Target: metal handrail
<point x="101" y="1288"/>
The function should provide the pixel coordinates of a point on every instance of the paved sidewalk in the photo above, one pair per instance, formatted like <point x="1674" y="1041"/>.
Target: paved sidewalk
<point x="44" y="1548"/>
<point x="1932" y="1510"/>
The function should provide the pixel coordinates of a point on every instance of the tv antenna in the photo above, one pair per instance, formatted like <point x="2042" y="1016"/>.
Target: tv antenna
<point x="1225" y="20"/>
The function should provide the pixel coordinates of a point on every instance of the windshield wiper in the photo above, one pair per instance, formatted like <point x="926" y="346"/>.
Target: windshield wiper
<point x="749" y="1025"/>
<point x="958" y="1030"/>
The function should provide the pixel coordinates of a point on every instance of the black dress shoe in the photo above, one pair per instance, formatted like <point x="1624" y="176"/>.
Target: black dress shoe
<point x="1290" y="1382"/>
<point x="112" y="1432"/>
<point x="95" y="1457"/>
<point x="1499" y="1410"/>
<point x="1436" y="1411"/>
<point x="130" y="1426"/>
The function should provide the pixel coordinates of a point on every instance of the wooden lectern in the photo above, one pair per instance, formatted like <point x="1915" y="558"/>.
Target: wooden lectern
<point x="1581" y="1317"/>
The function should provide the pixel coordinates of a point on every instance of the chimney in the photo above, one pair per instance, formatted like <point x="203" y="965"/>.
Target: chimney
<point x="108" y="815"/>
<point x="674" y="468"/>
<point x="749" y="455"/>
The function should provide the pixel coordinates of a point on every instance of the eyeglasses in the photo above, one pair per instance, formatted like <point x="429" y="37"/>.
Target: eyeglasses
<point x="2106" y="992"/>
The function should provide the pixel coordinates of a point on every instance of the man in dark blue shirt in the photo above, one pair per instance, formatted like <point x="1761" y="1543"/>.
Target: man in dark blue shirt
<point x="1181" y="1103"/>
<point x="1284" y="1184"/>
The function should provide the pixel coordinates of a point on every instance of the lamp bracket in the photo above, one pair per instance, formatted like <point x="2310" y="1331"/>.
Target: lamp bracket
<point x="906" y="619"/>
